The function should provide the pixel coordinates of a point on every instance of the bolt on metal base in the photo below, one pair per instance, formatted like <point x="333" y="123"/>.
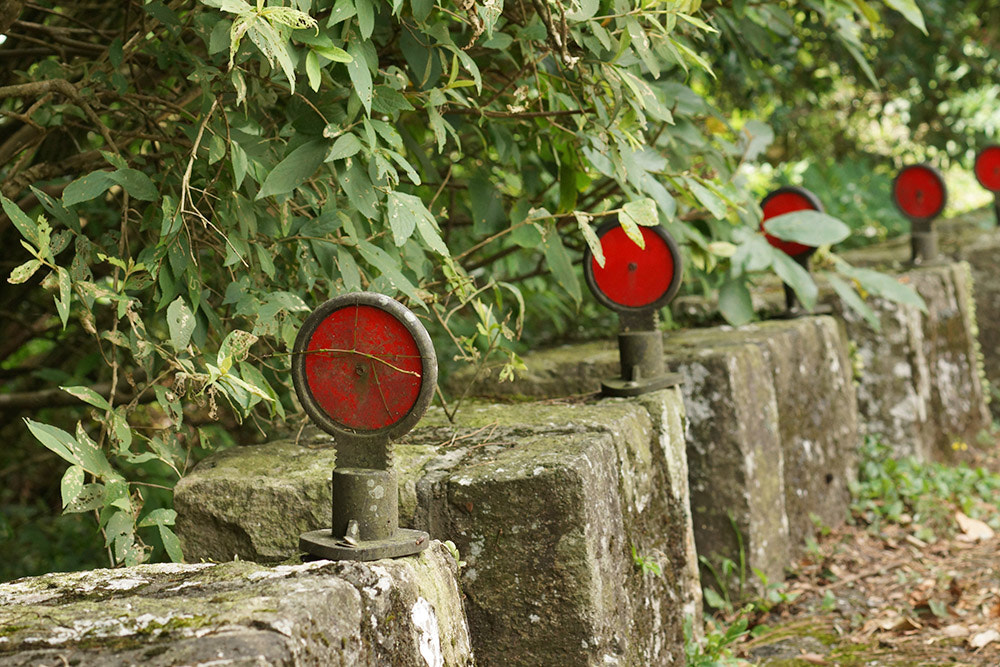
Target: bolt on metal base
<point x="642" y="367"/>
<point x="365" y="520"/>
<point x="322" y="544"/>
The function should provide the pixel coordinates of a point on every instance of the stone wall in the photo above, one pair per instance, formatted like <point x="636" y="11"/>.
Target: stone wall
<point x="772" y="429"/>
<point x="982" y="254"/>
<point x="920" y="388"/>
<point x="554" y="508"/>
<point x="405" y="612"/>
<point x="573" y="516"/>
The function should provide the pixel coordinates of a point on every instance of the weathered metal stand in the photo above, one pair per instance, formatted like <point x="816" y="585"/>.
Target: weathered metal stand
<point x="789" y="199"/>
<point x="640" y="352"/>
<point x="987" y="169"/>
<point x="920" y="194"/>
<point x="636" y="282"/>
<point x="377" y="362"/>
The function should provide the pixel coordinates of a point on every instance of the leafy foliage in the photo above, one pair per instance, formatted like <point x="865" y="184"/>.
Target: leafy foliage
<point x="182" y="181"/>
<point x="923" y="495"/>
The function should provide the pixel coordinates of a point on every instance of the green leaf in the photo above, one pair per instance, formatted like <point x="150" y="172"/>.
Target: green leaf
<point x="759" y="136"/>
<point x="350" y="274"/>
<point x="361" y="78"/>
<point x="631" y="229"/>
<point x="232" y="6"/>
<point x="65" y="295"/>
<point x="159" y="517"/>
<point x="274" y="47"/>
<point x="181" y="322"/>
<point x="293" y="171"/>
<point x="360" y="192"/>
<point x="885" y="286"/>
<point x="90" y="498"/>
<point x="588" y="9"/>
<point x="333" y="53"/>
<point x="713" y="599"/>
<point x="810" y="228"/>
<point x="561" y="265"/>
<point x="57" y="210"/>
<point x="408" y="212"/>
<point x="312" y="70"/>
<point x="345" y="146"/>
<point x="734" y="302"/>
<point x="641" y="212"/>
<point x="853" y="300"/>
<point x="910" y="11"/>
<point x="81" y="452"/>
<point x="389" y="101"/>
<point x="715" y="205"/>
<point x="87" y="187"/>
<point x="239" y="158"/>
<point x="71" y="485"/>
<point x="366" y="17"/>
<point x="384" y="262"/>
<point x="55" y="439"/>
<point x="796" y="277"/>
<point x="88" y="395"/>
<point x="594" y="243"/>
<point x="171" y="543"/>
<point x="402" y="216"/>
<point x="24" y="224"/>
<point x="120" y="530"/>
<point x="23" y="273"/>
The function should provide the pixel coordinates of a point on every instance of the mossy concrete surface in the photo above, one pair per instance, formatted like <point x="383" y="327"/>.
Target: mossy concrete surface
<point x="983" y="255"/>
<point x="816" y="412"/>
<point x="291" y="480"/>
<point x="773" y="427"/>
<point x="572" y="520"/>
<point x="920" y="387"/>
<point x="395" y="612"/>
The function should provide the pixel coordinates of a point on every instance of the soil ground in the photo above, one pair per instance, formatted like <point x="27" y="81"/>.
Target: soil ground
<point x="887" y="600"/>
<point x="885" y="597"/>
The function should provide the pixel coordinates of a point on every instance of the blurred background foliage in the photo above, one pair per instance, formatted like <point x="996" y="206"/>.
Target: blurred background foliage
<point x="182" y="181"/>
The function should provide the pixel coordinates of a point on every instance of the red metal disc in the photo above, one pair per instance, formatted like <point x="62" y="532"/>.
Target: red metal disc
<point x="787" y="200"/>
<point x="634" y="277"/>
<point x="363" y="368"/>
<point x="919" y="192"/>
<point x="988" y="168"/>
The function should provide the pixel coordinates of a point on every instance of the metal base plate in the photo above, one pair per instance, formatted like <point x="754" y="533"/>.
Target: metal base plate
<point x="322" y="544"/>
<point x="624" y="388"/>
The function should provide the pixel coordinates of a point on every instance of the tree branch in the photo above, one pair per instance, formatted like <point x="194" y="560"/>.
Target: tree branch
<point x="516" y="114"/>
<point x="57" y="398"/>
<point x="38" y="88"/>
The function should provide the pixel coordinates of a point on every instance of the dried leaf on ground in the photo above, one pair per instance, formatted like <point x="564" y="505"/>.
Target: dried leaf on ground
<point x="983" y="638"/>
<point x="973" y="530"/>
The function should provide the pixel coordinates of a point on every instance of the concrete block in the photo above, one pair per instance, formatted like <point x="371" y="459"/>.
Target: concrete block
<point x="920" y="388"/>
<point x="982" y="255"/>
<point x="399" y="612"/>
<point x="545" y="503"/>
<point x="735" y="460"/>
<point x="816" y="413"/>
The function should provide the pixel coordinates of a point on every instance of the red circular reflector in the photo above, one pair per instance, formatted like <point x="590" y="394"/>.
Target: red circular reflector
<point x="988" y="168"/>
<point x="634" y="277"/>
<point x="363" y="368"/>
<point x="919" y="192"/>
<point x="787" y="200"/>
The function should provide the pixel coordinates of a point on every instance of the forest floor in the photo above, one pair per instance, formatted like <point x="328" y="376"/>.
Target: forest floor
<point x="893" y="592"/>
<point x="892" y="599"/>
